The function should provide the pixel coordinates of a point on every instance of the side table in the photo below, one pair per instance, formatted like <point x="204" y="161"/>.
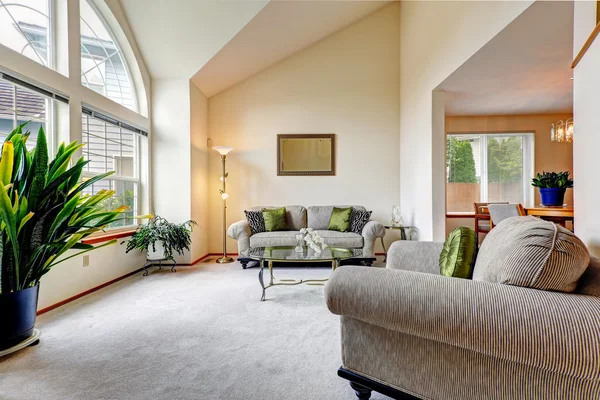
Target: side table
<point x="402" y="229"/>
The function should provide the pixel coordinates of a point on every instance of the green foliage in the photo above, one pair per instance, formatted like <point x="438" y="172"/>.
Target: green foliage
<point x="552" y="180"/>
<point x="43" y="211"/>
<point x="505" y="160"/>
<point x="461" y="164"/>
<point x="174" y="237"/>
<point x="127" y="199"/>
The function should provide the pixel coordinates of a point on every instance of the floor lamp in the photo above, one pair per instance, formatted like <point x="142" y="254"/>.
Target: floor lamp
<point x="223" y="150"/>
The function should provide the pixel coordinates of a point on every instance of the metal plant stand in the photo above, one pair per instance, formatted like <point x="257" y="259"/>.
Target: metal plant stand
<point x="150" y="263"/>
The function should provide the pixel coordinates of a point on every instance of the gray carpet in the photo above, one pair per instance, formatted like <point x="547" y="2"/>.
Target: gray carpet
<point x="200" y="333"/>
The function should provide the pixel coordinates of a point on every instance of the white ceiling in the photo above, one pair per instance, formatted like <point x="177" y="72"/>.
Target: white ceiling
<point x="279" y="30"/>
<point x="525" y="69"/>
<point x="177" y="37"/>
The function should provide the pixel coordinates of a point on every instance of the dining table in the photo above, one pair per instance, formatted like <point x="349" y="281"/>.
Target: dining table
<point x="560" y="215"/>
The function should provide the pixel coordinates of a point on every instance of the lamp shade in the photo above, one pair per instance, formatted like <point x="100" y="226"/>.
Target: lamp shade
<point x="223" y="150"/>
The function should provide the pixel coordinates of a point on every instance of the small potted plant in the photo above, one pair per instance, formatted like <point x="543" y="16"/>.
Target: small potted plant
<point x="552" y="186"/>
<point x="161" y="238"/>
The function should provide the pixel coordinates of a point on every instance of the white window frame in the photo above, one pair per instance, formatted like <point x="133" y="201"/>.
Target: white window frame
<point x="137" y="168"/>
<point x="61" y="78"/>
<point x="50" y="110"/>
<point x="135" y="104"/>
<point x="528" y="161"/>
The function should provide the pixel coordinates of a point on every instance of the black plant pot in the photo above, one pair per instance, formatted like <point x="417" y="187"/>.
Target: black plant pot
<point x="17" y="316"/>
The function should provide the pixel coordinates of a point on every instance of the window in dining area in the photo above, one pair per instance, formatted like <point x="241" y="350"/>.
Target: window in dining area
<point x="488" y="168"/>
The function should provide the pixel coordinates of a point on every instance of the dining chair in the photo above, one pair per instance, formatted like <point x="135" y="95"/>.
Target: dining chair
<point x="500" y="212"/>
<point x="482" y="217"/>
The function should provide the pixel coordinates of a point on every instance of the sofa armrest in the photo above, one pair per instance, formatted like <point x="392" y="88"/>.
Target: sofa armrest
<point x="373" y="230"/>
<point x="239" y="230"/>
<point x="370" y="233"/>
<point x="547" y="330"/>
<point x="415" y="256"/>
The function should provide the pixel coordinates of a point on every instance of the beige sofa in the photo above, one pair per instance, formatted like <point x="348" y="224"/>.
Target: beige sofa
<point x="315" y="217"/>
<point x="408" y="332"/>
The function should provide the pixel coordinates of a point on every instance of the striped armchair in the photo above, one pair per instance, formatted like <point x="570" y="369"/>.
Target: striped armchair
<point x="408" y="332"/>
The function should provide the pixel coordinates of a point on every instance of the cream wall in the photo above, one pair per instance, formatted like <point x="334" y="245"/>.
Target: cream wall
<point x="586" y="89"/>
<point x="199" y="174"/>
<point x="346" y="84"/>
<point x="171" y="150"/>
<point x="435" y="39"/>
<point x="549" y="156"/>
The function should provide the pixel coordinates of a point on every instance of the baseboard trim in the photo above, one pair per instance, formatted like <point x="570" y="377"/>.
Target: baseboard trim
<point x="92" y="290"/>
<point x="96" y="288"/>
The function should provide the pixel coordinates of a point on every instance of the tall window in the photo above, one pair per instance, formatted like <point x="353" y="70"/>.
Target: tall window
<point x="488" y="168"/>
<point x="25" y="28"/>
<point x="19" y="105"/>
<point x="112" y="146"/>
<point x="102" y="66"/>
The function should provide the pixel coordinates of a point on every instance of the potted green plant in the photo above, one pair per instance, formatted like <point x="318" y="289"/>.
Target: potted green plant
<point x="552" y="187"/>
<point x="161" y="238"/>
<point x="43" y="214"/>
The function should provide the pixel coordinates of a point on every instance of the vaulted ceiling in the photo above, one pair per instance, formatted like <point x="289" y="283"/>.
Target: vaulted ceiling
<point x="218" y="44"/>
<point x="525" y="69"/>
<point x="178" y="37"/>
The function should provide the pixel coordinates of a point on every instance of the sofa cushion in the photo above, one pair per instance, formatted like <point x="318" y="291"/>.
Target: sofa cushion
<point x="458" y="254"/>
<point x="530" y="252"/>
<point x="340" y="219"/>
<point x="318" y="216"/>
<point x="295" y="216"/>
<point x="589" y="283"/>
<point x="341" y="239"/>
<point x="279" y="238"/>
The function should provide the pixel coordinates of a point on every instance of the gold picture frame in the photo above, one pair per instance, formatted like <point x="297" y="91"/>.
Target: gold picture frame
<point x="306" y="154"/>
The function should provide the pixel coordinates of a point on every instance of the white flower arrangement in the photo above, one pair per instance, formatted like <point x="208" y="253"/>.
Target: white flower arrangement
<point x="313" y="240"/>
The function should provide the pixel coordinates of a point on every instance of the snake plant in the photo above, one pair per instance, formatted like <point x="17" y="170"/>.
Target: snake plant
<point x="43" y="209"/>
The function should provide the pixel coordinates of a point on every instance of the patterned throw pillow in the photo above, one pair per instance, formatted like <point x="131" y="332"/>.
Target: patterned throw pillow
<point x="359" y="220"/>
<point x="255" y="221"/>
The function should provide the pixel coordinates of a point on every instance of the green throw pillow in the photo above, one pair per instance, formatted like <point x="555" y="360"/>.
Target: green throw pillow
<point x="274" y="219"/>
<point x="459" y="253"/>
<point x="340" y="219"/>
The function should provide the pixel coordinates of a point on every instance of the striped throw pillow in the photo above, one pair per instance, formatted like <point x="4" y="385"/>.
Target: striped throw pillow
<point x="530" y="252"/>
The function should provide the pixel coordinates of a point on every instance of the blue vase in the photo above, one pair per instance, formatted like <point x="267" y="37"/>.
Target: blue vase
<point x="552" y="197"/>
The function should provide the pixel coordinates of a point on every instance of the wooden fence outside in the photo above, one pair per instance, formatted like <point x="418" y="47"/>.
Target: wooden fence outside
<point x="461" y="196"/>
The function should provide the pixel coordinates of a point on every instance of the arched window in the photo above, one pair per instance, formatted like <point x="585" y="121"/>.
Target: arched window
<point x="25" y="28"/>
<point x="103" y="67"/>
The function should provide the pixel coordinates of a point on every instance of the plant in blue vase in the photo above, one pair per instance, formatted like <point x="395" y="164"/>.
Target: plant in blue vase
<point x="552" y="186"/>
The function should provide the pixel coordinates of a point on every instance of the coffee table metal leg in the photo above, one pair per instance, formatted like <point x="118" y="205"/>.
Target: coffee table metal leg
<point x="384" y="250"/>
<point x="260" y="279"/>
<point x="335" y="264"/>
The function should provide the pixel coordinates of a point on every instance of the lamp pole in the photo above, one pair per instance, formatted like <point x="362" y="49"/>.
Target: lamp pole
<point x="223" y="150"/>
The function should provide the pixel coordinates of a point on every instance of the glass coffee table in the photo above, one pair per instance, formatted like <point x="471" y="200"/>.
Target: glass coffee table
<point x="270" y="255"/>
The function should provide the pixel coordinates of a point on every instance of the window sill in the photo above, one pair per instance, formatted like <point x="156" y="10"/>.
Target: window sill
<point x="460" y="215"/>
<point x="105" y="237"/>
